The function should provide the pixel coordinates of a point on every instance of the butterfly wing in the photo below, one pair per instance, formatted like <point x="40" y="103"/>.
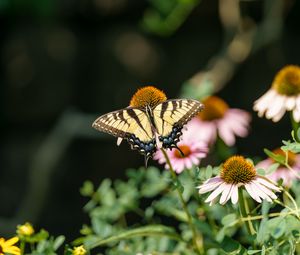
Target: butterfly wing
<point x="131" y="124"/>
<point x="170" y="116"/>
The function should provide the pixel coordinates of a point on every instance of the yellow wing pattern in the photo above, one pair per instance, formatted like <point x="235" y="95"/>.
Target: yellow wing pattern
<point x="131" y="124"/>
<point x="170" y="116"/>
<point x="138" y="126"/>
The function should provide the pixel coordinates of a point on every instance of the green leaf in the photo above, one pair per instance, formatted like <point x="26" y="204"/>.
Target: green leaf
<point x="253" y="252"/>
<point x="196" y="172"/>
<point x="261" y="171"/>
<point x="228" y="219"/>
<point x="176" y="184"/>
<point x="106" y="194"/>
<point x="278" y="158"/>
<point x="277" y="227"/>
<point x="87" y="189"/>
<point x="58" y="242"/>
<point x="272" y="168"/>
<point x="101" y="227"/>
<point x="151" y="230"/>
<point x="204" y="227"/>
<point x="38" y="237"/>
<point x="231" y="246"/>
<point x="265" y="207"/>
<point x="168" y="206"/>
<point x="153" y="183"/>
<point x="296" y="233"/>
<point x="291" y="146"/>
<point x="221" y="234"/>
<point x="208" y="172"/>
<point x="262" y="233"/>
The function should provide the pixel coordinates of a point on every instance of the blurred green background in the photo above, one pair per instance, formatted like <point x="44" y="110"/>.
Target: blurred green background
<point x="63" y="63"/>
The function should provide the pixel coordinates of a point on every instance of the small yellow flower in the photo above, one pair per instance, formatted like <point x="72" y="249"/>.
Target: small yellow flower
<point x="25" y="229"/>
<point x="8" y="246"/>
<point x="79" y="250"/>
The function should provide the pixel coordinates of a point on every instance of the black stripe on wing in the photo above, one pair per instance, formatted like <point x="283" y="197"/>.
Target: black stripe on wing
<point x="194" y="108"/>
<point x="122" y="124"/>
<point x="108" y="123"/>
<point x="174" y="115"/>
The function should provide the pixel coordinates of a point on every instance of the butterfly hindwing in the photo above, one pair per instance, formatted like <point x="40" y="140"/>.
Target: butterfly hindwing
<point x="131" y="124"/>
<point x="170" y="117"/>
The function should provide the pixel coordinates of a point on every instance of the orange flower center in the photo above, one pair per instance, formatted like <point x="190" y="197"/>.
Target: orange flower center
<point x="291" y="156"/>
<point x="149" y="95"/>
<point x="287" y="81"/>
<point x="214" y="108"/>
<point x="237" y="169"/>
<point x="185" y="149"/>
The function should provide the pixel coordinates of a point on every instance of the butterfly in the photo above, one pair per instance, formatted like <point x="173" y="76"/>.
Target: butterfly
<point x="150" y="127"/>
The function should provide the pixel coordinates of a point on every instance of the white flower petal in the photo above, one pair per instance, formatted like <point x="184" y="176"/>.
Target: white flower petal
<point x="266" y="190"/>
<point x="262" y="104"/>
<point x="276" y="107"/>
<point x="216" y="192"/>
<point x="296" y="114"/>
<point x="210" y="184"/>
<point x="252" y="193"/>
<point x="234" y="194"/>
<point x="290" y="103"/>
<point x="257" y="189"/>
<point x="267" y="183"/>
<point x="226" y="194"/>
<point x="279" y="115"/>
<point x="298" y="102"/>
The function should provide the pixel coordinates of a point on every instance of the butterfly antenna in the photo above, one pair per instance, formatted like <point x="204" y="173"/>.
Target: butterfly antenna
<point x="182" y="154"/>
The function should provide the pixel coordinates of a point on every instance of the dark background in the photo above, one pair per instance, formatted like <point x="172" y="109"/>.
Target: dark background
<point x="63" y="63"/>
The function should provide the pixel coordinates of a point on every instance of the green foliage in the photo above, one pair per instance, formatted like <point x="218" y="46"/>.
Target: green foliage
<point x="277" y="157"/>
<point x="165" y="17"/>
<point x="170" y="217"/>
<point x="44" y="245"/>
<point x="293" y="146"/>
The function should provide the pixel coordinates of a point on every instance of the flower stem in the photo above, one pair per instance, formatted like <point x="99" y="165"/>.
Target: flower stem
<point x="22" y="247"/>
<point x="197" y="245"/>
<point x="243" y="210"/>
<point x="295" y="126"/>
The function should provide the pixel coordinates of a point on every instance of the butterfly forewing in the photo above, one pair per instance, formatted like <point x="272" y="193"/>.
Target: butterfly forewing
<point x="130" y="123"/>
<point x="170" y="116"/>
<point x="125" y="122"/>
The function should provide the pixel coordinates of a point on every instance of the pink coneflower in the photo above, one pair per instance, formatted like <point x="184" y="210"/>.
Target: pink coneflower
<point x="238" y="172"/>
<point x="284" y="95"/>
<point x="282" y="172"/>
<point x="193" y="151"/>
<point x="218" y="119"/>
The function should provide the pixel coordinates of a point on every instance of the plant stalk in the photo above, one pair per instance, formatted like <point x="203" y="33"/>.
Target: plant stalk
<point x="244" y="213"/>
<point x="295" y="126"/>
<point x="197" y="246"/>
<point x="22" y="247"/>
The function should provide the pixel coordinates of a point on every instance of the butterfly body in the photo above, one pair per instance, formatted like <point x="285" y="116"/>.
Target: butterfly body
<point x="150" y="127"/>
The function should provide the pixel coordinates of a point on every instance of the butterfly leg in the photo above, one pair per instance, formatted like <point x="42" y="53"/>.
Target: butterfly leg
<point x="181" y="152"/>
